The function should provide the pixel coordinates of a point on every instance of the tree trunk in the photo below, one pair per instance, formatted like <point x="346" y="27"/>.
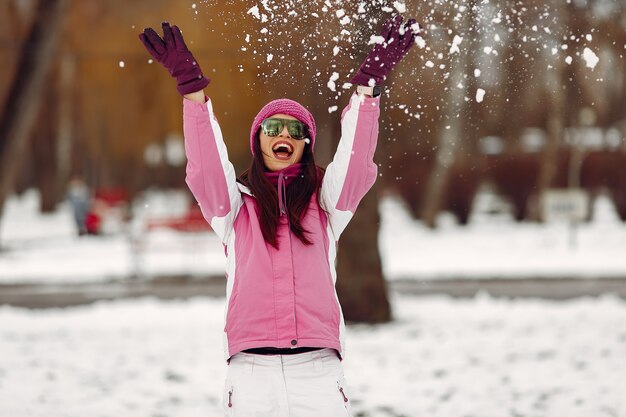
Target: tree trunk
<point x="549" y="157"/>
<point x="22" y="103"/>
<point x="44" y="148"/>
<point x="556" y="90"/>
<point x="361" y="286"/>
<point x="450" y="138"/>
<point x="65" y="143"/>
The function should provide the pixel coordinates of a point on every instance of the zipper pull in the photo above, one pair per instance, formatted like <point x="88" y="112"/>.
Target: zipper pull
<point x="345" y="399"/>
<point x="230" y="396"/>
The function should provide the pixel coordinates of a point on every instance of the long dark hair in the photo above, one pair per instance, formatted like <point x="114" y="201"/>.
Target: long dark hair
<point x="298" y="194"/>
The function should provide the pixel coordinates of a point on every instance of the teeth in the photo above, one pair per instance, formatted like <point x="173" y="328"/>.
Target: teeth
<point x="282" y="147"/>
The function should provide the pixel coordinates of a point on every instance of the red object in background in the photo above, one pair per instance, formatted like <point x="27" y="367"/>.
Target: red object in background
<point x="192" y="221"/>
<point x="111" y="196"/>
<point x="93" y="223"/>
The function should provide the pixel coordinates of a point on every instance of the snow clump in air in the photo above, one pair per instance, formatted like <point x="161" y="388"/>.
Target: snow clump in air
<point x="331" y="83"/>
<point x="376" y="39"/>
<point x="454" y="49"/>
<point x="400" y="7"/>
<point x="591" y="59"/>
<point x="480" y="94"/>
<point x="254" y="11"/>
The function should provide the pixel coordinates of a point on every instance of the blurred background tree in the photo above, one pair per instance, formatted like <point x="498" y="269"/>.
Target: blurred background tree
<point x="24" y="95"/>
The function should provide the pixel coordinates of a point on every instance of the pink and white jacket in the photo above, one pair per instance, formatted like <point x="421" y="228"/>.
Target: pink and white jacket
<point x="286" y="297"/>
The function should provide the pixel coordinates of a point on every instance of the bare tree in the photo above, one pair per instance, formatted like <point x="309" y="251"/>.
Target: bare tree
<point x="22" y="103"/>
<point x="455" y="120"/>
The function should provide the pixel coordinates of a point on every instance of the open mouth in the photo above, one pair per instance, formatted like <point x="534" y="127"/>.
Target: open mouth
<point x="282" y="150"/>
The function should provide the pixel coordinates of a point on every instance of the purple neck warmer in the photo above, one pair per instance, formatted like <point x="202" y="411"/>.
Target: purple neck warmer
<point x="281" y="179"/>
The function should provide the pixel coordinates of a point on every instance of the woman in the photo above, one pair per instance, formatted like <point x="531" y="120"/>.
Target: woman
<point x="280" y="222"/>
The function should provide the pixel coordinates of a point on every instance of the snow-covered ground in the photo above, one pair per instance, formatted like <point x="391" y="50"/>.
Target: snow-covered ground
<point x="482" y="357"/>
<point x="43" y="248"/>
<point x="497" y="247"/>
<point x="440" y="356"/>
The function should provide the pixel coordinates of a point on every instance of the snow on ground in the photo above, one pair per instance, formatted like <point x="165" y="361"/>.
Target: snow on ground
<point x="440" y="357"/>
<point x="43" y="248"/>
<point x="497" y="247"/>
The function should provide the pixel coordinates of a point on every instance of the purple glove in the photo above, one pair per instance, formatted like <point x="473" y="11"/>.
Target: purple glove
<point x="398" y="39"/>
<point x="173" y="54"/>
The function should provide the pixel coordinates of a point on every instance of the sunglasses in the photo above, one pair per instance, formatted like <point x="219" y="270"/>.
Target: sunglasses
<point x="274" y="126"/>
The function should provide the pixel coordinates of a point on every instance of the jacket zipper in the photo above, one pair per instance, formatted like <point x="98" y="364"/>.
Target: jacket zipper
<point x="345" y="399"/>
<point x="230" y="397"/>
<point x="293" y="277"/>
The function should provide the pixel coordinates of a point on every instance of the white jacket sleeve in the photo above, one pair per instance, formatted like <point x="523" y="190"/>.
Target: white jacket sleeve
<point x="353" y="171"/>
<point x="210" y="175"/>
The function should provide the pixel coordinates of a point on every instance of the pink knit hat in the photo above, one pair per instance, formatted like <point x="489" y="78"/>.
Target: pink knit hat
<point x="288" y="107"/>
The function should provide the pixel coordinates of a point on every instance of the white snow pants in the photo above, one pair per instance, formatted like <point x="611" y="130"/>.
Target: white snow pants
<point x="309" y="384"/>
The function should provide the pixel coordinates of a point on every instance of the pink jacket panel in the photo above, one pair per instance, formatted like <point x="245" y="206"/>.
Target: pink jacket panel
<point x="285" y="295"/>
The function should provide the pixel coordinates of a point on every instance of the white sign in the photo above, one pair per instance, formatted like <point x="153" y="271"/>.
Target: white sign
<point x="559" y="205"/>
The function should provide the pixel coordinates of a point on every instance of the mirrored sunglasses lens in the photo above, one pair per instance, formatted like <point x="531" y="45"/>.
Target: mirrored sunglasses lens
<point x="272" y="127"/>
<point x="297" y="130"/>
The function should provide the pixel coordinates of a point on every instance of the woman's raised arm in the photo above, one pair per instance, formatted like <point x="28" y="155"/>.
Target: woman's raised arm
<point x="210" y="175"/>
<point x="353" y="171"/>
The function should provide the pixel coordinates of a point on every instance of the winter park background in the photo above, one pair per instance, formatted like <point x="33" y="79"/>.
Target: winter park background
<point x="495" y="232"/>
